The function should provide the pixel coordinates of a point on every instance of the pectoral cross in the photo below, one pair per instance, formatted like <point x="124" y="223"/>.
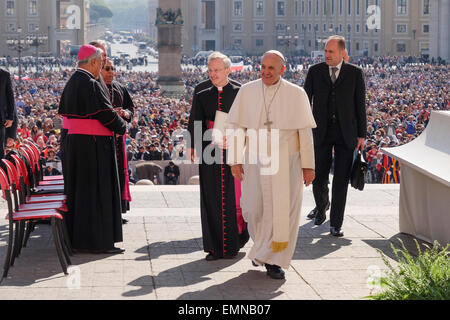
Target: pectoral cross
<point x="268" y="124"/>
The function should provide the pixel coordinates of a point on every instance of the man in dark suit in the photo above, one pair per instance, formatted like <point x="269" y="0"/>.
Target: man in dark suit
<point x="141" y="154"/>
<point x="337" y="92"/>
<point x="7" y="107"/>
<point x="171" y="173"/>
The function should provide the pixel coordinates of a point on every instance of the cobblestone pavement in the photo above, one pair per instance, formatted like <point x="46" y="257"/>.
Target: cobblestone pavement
<point x="164" y="259"/>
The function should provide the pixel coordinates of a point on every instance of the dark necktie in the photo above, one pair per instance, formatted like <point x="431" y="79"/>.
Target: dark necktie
<point x="333" y="74"/>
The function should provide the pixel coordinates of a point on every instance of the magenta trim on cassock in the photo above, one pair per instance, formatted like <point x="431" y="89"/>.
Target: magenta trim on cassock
<point x="242" y="225"/>
<point x="240" y="219"/>
<point x="65" y="124"/>
<point x="126" y="194"/>
<point x="87" y="127"/>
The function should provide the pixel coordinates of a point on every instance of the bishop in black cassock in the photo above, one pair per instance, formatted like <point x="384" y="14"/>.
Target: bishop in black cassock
<point x="123" y="104"/>
<point x="120" y="98"/>
<point x="91" y="177"/>
<point x="224" y="230"/>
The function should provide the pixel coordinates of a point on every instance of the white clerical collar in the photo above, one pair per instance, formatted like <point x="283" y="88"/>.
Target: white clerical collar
<point x="273" y="85"/>
<point x="85" y="71"/>
<point x="221" y="88"/>
<point x="339" y="66"/>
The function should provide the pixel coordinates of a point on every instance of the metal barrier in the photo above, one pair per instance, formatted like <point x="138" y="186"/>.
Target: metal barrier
<point x="148" y="169"/>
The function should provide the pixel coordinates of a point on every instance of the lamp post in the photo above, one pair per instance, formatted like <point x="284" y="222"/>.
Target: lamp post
<point x="304" y="38"/>
<point x="349" y="29"/>
<point x="331" y="30"/>
<point x="195" y="46"/>
<point x="280" y="40"/>
<point x="278" y="36"/>
<point x="315" y="36"/>
<point x="38" y="40"/>
<point x="223" y="37"/>
<point x="287" y="38"/>
<point x="18" y="44"/>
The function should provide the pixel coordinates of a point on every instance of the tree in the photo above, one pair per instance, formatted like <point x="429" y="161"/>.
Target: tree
<point x="99" y="9"/>
<point x="130" y="14"/>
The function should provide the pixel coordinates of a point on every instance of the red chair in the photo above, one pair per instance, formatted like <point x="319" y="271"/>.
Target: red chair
<point x="33" y="152"/>
<point x="33" y="147"/>
<point x="15" y="217"/>
<point x="39" y="189"/>
<point x="37" y="202"/>
<point x="20" y="202"/>
<point x="39" y="170"/>
<point x="34" y="159"/>
<point x="25" y="186"/>
<point x="38" y="156"/>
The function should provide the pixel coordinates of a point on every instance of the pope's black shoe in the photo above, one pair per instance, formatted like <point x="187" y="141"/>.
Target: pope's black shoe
<point x="274" y="271"/>
<point x="314" y="211"/>
<point x="336" y="232"/>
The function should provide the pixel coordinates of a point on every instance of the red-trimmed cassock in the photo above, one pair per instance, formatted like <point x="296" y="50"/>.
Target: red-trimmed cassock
<point x="224" y="230"/>
<point x="90" y="170"/>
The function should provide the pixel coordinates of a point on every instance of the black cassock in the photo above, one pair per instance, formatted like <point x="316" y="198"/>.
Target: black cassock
<point x="120" y="98"/>
<point x="223" y="232"/>
<point x="91" y="178"/>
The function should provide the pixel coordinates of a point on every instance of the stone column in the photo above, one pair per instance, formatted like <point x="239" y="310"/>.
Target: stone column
<point x="169" y="22"/>
<point x="439" y="26"/>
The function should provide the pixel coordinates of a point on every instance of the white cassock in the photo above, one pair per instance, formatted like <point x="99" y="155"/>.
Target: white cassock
<point x="271" y="203"/>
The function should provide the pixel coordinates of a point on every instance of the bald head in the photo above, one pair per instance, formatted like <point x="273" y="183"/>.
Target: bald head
<point x="340" y="41"/>
<point x="335" y="50"/>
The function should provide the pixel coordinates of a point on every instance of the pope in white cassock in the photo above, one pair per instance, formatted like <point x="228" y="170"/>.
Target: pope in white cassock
<point x="278" y="112"/>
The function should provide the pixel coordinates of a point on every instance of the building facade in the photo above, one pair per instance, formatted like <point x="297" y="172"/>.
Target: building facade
<point x="32" y="17"/>
<point x="439" y="29"/>
<point x="153" y="30"/>
<point x="62" y="22"/>
<point x="371" y="27"/>
<point x="407" y="23"/>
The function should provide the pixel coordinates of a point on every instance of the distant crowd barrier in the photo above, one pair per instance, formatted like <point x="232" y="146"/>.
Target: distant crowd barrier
<point x="425" y="181"/>
<point x="149" y="169"/>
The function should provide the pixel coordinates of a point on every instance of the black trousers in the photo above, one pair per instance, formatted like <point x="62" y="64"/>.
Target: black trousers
<point x="343" y="160"/>
<point x="2" y="141"/>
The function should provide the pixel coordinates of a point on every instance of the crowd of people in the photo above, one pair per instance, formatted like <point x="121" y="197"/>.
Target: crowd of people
<point x="32" y="63"/>
<point x="96" y="119"/>
<point x="401" y="93"/>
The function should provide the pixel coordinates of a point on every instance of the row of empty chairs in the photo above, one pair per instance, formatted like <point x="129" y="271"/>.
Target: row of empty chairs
<point x="32" y="198"/>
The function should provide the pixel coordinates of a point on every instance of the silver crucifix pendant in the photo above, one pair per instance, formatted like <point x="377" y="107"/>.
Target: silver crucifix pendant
<point x="268" y="124"/>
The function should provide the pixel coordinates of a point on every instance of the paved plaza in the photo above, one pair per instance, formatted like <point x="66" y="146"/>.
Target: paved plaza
<point x="164" y="259"/>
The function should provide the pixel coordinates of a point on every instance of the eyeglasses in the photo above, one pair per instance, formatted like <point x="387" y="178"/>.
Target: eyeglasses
<point x="108" y="68"/>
